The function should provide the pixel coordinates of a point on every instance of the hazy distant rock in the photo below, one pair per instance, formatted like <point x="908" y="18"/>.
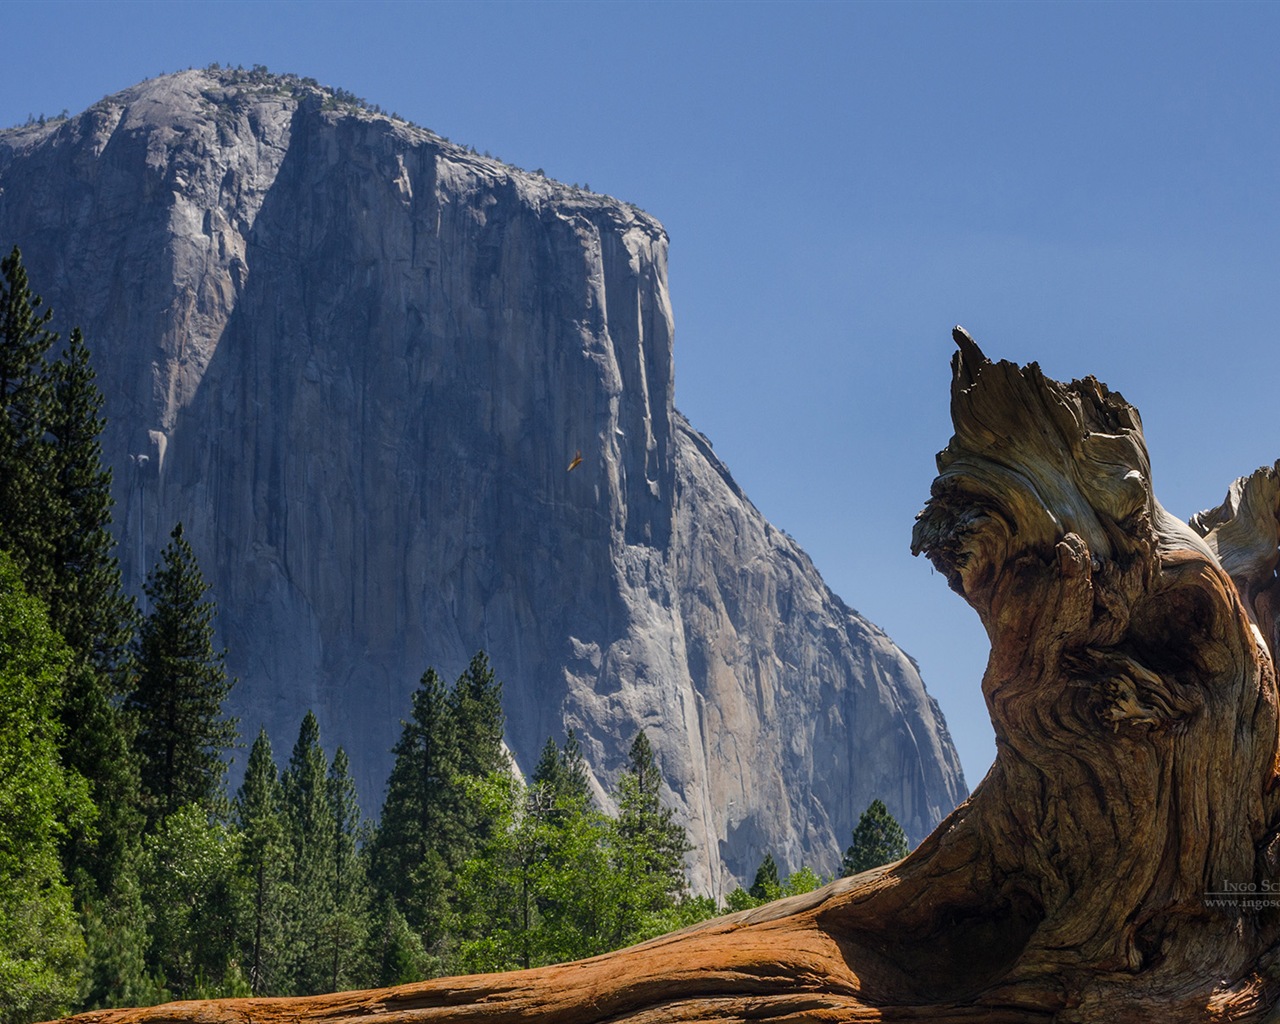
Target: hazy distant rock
<point x="359" y="360"/>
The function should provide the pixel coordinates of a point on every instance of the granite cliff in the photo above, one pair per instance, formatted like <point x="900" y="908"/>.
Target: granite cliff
<point x="355" y="360"/>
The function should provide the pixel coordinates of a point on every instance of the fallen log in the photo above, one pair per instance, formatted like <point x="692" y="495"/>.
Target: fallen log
<point x="1121" y="860"/>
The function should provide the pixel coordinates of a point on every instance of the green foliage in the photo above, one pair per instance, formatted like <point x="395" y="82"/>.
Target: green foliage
<point x="328" y="924"/>
<point x="740" y="899"/>
<point x="561" y="776"/>
<point x="307" y="917"/>
<point x="549" y="771"/>
<point x="347" y="931"/>
<point x="55" y="510"/>
<point x="877" y="839"/>
<point x="87" y="603"/>
<point x="575" y="877"/>
<point x="26" y="464"/>
<point x="803" y="880"/>
<point x="311" y="833"/>
<point x="496" y="887"/>
<point x="476" y="705"/>
<point x="491" y="874"/>
<point x="89" y="608"/>
<point x="41" y="947"/>
<point x="538" y="889"/>
<point x="766" y="886"/>
<point x="647" y="847"/>
<point x="196" y="904"/>
<point x="263" y="868"/>
<point x="576" y="880"/>
<point x="180" y="687"/>
<point x="115" y="932"/>
<point x="396" y="949"/>
<point x="417" y="845"/>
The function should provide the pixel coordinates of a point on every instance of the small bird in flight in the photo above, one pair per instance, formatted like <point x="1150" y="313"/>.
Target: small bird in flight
<point x="577" y="461"/>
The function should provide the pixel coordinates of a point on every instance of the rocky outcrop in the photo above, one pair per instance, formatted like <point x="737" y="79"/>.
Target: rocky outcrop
<point x="355" y="360"/>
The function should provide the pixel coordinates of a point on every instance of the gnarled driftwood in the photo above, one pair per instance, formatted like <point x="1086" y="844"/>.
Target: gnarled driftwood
<point x="1132" y="689"/>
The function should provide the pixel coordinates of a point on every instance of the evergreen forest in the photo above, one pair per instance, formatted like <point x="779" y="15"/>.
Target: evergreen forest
<point x="129" y="875"/>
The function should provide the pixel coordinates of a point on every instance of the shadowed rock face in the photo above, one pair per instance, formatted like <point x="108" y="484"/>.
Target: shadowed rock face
<point x="355" y="360"/>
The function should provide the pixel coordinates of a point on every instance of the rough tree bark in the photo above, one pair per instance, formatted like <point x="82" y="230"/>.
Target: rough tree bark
<point x="1132" y="689"/>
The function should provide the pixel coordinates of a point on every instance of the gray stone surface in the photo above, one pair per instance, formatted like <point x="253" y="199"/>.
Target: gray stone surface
<point x="355" y="360"/>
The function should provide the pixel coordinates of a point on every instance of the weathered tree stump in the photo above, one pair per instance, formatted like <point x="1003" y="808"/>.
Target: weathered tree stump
<point x="1132" y="689"/>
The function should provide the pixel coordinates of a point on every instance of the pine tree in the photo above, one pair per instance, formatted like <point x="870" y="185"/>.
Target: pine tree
<point x="312" y="833"/>
<point x="766" y="886"/>
<point x="26" y="496"/>
<point x="548" y="773"/>
<point x="648" y="846"/>
<point x="476" y="703"/>
<point x="395" y="950"/>
<point x="576" y="785"/>
<point x="55" y="510"/>
<point x="193" y="890"/>
<point x="89" y="608"/>
<point x="877" y="839"/>
<point x="418" y="844"/>
<point x="88" y="603"/>
<point x="179" y="689"/>
<point x="55" y="493"/>
<point x="560" y="777"/>
<point x="264" y="859"/>
<point x="347" y="931"/>
<point x="476" y="706"/>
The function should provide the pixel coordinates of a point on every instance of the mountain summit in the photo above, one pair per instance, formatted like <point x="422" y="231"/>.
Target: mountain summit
<point x="355" y="360"/>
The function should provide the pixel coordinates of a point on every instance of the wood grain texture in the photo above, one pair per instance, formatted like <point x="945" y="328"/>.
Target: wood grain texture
<point x="1132" y="689"/>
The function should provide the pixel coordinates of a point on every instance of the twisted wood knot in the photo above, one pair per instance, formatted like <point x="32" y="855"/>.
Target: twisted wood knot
<point x="1127" y="692"/>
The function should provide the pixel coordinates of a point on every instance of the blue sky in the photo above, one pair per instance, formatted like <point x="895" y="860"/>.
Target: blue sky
<point x="1091" y="186"/>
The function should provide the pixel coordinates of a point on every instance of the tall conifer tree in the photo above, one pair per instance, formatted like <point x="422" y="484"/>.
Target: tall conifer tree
<point x="548" y="771"/>
<point x="766" y="885"/>
<point x="180" y="686"/>
<point x="88" y="604"/>
<point x="476" y="703"/>
<point x="417" y="847"/>
<point x="348" y="929"/>
<point x="648" y="844"/>
<point x="477" y="709"/>
<point x="877" y="839"/>
<point x="264" y="860"/>
<point x="575" y="785"/>
<point x="312" y="833"/>
<point x="559" y="782"/>
<point x="26" y="496"/>
<point x="55" y="510"/>
<point x="89" y="608"/>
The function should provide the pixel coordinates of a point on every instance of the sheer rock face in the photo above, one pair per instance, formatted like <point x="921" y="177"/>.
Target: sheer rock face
<point x="355" y="360"/>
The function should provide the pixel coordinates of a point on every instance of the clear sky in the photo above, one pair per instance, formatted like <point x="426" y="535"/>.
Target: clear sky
<point x="1090" y="186"/>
